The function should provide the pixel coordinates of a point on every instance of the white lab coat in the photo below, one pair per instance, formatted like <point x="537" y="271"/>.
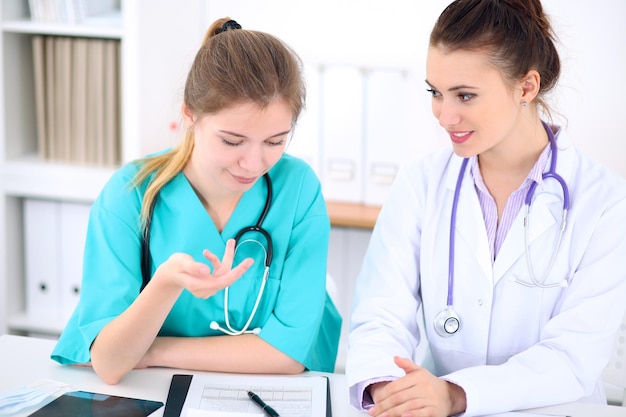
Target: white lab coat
<point x="518" y="347"/>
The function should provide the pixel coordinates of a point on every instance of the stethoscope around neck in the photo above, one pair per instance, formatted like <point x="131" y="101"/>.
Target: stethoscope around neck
<point x="448" y="321"/>
<point x="268" y="254"/>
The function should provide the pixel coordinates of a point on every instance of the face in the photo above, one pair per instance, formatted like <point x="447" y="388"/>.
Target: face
<point x="471" y="101"/>
<point x="236" y="146"/>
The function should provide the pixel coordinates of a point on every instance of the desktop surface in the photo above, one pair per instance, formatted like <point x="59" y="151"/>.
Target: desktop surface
<point x="25" y="360"/>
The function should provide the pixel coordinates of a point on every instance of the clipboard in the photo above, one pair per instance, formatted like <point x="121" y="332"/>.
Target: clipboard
<point x="180" y="384"/>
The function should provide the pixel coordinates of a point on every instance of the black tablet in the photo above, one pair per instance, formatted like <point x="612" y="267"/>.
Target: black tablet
<point x="82" y="403"/>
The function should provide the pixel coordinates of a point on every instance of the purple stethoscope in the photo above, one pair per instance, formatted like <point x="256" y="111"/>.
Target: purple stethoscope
<point x="448" y="322"/>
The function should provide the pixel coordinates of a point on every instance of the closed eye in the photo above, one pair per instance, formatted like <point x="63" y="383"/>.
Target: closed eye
<point x="275" y="142"/>
<point x="230" y="143"/>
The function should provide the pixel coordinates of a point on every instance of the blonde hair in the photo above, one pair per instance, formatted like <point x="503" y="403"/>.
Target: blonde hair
<point x="232" y="66"/>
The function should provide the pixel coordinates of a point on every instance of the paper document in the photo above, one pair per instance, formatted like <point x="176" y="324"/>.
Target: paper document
<point x="227" y="395"/>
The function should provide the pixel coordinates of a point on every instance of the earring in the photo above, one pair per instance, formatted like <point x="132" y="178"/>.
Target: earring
<point x="524" y="104"/>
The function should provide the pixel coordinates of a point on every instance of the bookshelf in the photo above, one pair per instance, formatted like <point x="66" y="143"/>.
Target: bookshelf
<point x="157" y="41"/>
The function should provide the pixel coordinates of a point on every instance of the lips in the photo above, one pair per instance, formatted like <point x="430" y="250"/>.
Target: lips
<point x="244" y="180"/>
<point x="460" y="137"/>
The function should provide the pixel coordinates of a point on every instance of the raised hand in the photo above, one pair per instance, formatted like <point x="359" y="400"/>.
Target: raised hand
<point x="182" y="271"/>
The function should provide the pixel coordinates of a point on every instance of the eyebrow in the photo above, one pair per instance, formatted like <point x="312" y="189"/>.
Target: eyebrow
<point x="455" y="88"/>
<point x="239" y="135"/>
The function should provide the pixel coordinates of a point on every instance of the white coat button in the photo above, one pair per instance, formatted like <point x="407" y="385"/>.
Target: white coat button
<point x="480" y="302"/>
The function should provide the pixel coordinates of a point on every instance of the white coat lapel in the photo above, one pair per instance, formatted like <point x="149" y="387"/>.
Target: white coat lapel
<point x="541" y="219"/>
<point x="470" y="232"/>
<point x="545" y="212"/>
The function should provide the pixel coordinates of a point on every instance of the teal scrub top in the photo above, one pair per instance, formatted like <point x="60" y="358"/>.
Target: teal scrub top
<point x="295" y="314"/>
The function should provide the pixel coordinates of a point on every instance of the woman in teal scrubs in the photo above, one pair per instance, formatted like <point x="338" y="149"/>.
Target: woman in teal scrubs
<point x="242" y="98"/>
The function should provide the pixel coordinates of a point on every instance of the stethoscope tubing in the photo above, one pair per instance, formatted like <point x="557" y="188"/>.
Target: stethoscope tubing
<point x="146" y="263"/>
<point x="258" y="227"/>
<point x="455" y="203"/>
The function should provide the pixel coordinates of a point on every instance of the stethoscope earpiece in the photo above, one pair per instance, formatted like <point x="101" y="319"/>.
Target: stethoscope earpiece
<point x="447" y="322"/>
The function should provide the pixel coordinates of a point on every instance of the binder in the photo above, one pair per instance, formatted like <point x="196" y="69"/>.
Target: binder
<point x="386" y="130"/>
<point x="305" y="142"/>
<point x="41" y="231"/>
<point x="176" y="395"/>
<point x="342" y="134"/>
<point x="181" y="383"/>
<point x="39" y="63"/>
<point x="95" y="91"/>
<point x="50" y="94"/>
<point x="78" y="134"/>
<point x="424" y="133"/>
<point x="62" y="97"/>
<point x="74" y="218"/>
<point x="111" y="103"/>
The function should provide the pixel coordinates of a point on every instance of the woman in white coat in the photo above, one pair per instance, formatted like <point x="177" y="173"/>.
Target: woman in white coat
<point x="516" y="313"/>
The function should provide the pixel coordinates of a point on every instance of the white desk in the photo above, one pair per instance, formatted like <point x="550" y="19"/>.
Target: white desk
<point x="24" y="360"/>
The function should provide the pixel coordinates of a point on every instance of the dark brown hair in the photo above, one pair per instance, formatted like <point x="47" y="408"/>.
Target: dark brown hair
<point x="516" y="34"/>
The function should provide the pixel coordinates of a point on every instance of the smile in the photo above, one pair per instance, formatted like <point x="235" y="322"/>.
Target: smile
<point x="244" y="180"/>
<point x="460" y="137"/>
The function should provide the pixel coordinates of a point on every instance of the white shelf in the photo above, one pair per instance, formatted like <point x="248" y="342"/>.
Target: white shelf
<point x="31" y="177"/>
<point x="104" y="26"/>
<point x="44" y="325"/>
<point x="153" y="59"/>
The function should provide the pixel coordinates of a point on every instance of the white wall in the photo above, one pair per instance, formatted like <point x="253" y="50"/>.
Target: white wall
<point x="592" y="38"/>
<point x="395" y="33"/>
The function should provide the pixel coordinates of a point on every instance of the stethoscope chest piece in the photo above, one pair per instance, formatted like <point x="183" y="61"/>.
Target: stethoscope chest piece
<point x="447" y="322"/>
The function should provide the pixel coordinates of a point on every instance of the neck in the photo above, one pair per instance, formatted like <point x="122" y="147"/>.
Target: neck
<point x="516" y="155"/>
<point x="218" y="203"/>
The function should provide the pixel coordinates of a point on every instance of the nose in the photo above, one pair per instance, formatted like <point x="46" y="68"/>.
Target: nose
<point x="446" y="112"/>
<point x="252" y="159"/>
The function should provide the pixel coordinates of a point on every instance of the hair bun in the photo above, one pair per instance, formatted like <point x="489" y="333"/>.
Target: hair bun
<point x="229" y="25"/>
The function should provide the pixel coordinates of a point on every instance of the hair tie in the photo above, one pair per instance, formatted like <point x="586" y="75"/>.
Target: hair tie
<point x="230" y="25"/>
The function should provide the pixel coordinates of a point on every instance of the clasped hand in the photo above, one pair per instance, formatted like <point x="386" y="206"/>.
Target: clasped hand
<point x="418" y="393"/>
<point x="184" y="272"/>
